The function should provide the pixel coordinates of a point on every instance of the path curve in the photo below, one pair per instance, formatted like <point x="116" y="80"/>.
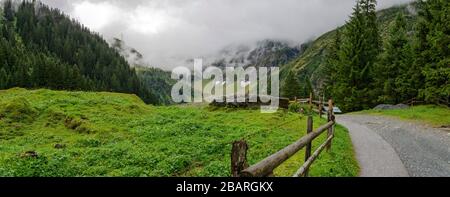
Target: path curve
<point x="387" y="147"/>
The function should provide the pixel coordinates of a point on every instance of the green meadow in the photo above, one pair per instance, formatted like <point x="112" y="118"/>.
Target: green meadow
<point x="64" y="134"/>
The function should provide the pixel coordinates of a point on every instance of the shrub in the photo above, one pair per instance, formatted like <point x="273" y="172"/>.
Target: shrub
<point x="294" y="107"/>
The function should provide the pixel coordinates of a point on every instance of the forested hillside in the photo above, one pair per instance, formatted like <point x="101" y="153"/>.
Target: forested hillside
<point x="389" y="56"/>
<point x="42" y="47"/>
<point x="158" y="81"/>
<point x="368" y="70"/>
<point x="309" y="69"/>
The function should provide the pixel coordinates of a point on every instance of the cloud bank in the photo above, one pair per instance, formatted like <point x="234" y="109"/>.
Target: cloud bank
<point x="168" y="32"/>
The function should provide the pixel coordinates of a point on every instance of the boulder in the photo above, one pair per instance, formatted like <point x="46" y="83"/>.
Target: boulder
<point x="391" y="107"/>
<point x="384" y="107"/>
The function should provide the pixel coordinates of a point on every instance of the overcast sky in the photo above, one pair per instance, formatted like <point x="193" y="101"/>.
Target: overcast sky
<point x="168" y="32"/>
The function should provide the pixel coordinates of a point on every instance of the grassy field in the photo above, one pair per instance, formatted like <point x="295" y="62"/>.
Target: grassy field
<point x="433" y="115"/>
<point x="110" y="134"/>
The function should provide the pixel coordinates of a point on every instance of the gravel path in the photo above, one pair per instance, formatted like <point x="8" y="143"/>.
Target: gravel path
<point x="394" y="148"/>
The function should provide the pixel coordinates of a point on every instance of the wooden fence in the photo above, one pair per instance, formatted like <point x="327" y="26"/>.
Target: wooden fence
<point x="315" y="105"/>
<point x="265" y="168"/>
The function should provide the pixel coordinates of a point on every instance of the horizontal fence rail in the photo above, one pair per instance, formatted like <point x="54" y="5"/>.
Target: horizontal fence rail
<point x="303" y="170"/>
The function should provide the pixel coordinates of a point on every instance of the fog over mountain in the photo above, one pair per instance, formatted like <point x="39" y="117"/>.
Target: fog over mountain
<point x="169" y="32"/>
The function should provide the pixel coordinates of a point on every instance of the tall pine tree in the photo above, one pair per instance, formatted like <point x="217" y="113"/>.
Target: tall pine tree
<point x="332" y="61"/>
<point x="394" y="68"/>
<point x="291" y="87"/>
<point x="358" y="53"/>
<point x="432" y="47"/>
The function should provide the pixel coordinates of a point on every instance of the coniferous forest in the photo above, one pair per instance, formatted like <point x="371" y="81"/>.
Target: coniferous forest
<point x="41" y="47"/>
<point x="364" y="70"/>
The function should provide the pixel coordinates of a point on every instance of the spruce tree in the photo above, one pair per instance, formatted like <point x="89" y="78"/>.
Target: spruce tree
<point x="332" y="62"/>
<point x="8" y="10"/>
<point x="393" y="82"/>
<point x="3" y="79"/>
<point x="291" y="87"/>
<point x="352" y="88"/>
<point x="433" y="42"/>
<point x="306" y="88"/>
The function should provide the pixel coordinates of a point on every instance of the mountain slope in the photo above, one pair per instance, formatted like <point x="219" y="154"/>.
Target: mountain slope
<point x="266" y="53"/>
<point x="158" y="81"/>
<point x="311" y="64"/>
<point x="42" y="47"/>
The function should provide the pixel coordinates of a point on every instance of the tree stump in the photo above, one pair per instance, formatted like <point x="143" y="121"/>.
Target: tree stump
<point x="239" y="157"/>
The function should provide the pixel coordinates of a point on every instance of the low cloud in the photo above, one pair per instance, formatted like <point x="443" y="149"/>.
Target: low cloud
<point x="168" y="32"/>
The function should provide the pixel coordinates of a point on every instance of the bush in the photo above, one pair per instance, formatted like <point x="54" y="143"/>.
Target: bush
<point x="295" y="107"/>
<point x="300" y="108"/>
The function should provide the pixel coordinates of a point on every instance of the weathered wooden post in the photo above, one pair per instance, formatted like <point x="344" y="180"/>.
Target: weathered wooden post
<point x="238" y="157"/>
<point x="320" y="107"/>
<point x="330" y="118"/>
<point x="309" y="145"/>
<point x="311" y="100"/>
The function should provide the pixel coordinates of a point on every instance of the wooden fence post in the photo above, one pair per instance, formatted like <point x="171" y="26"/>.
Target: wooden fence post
<point x="311" y="100"/>
<point x="320" y="107"/>
<point x="330" y="118"/>
<point x="238" y="157"/>
<point x="309" y="145"/>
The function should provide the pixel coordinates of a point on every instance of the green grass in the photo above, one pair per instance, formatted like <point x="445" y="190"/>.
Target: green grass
<point x="430" y="114"/>
<point x="110" y="134"/>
